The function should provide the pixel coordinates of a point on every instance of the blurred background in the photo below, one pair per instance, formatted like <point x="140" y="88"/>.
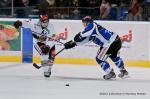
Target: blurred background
<point x="125" y="10"/>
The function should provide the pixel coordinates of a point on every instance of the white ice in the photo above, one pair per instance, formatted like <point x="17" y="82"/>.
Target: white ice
<point x="23" y="81"/>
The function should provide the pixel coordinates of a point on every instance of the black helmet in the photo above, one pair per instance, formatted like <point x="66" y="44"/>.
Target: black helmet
<point x="87" y="19"/>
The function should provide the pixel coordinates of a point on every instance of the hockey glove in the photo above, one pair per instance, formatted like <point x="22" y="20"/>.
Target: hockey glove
<point x="69" y="44"/>
<point x="17" y="24"/>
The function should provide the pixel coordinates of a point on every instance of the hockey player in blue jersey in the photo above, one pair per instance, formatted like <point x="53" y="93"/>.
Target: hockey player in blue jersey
<point x="109" y="43"/>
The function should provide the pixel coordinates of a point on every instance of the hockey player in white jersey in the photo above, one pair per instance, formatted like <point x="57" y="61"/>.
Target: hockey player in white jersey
<point x="42" y="31"/>
<point x="109" y="43"/>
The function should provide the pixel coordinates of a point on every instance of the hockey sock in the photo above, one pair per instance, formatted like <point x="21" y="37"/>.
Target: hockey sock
<point x="104" y="65"/>
<point x="119" y="62"/>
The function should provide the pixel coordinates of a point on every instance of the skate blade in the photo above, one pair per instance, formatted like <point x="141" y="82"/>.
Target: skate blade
<point x="36" y="66"/>
<point x="111" y="79"/>
<point x="124" y="77"/>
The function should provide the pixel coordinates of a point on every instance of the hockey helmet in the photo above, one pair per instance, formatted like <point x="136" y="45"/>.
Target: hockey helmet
<point x="44" y="17"/>
<point x="44" y="20"/>
<point x="87" y="19"/>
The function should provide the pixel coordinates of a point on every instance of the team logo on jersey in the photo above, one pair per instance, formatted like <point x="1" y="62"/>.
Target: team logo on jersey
<point x="45" y="32"/>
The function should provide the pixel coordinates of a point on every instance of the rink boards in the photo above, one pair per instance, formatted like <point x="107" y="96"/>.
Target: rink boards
<point x="135" y="36"/>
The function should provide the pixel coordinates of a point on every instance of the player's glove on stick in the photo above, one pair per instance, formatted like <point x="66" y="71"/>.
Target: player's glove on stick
<point x="41" y="38"/>
<point x="69" y="44"/>
<point x="17" y="24"/>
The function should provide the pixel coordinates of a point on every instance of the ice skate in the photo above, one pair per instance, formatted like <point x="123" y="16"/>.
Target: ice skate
<point x="47" y="74"/>
<point x="123" y="73"/>
<point x="110" y="75"/>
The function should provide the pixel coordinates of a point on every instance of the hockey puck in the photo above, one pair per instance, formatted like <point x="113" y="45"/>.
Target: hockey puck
<point x="67" y="85"/>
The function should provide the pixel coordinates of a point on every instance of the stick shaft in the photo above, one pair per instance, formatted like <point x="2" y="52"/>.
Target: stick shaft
<point x="59" y="51"/>
<point x="38" y="66"/>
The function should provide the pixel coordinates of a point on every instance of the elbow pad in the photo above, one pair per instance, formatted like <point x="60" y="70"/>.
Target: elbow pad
<point x="79" y="38"/>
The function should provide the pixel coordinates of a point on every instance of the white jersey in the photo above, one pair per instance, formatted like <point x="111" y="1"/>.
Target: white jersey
<point x="36" y="29"/>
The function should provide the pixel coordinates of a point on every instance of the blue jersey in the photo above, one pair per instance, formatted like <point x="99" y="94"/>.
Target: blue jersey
<point x="97" y="34"/>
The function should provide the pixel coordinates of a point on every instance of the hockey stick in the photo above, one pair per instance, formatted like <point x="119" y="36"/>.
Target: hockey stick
<point x="38" y="66"/>
<point x="59" y="52"/>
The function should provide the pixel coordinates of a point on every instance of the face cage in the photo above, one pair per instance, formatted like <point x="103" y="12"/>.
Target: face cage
<point x="44" y="24"/>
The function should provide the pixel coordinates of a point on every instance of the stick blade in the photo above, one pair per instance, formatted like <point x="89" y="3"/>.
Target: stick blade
<point x="36" y="66"/>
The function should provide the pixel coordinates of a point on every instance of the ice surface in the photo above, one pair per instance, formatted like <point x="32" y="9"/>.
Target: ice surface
<point x="23" y="81"/>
